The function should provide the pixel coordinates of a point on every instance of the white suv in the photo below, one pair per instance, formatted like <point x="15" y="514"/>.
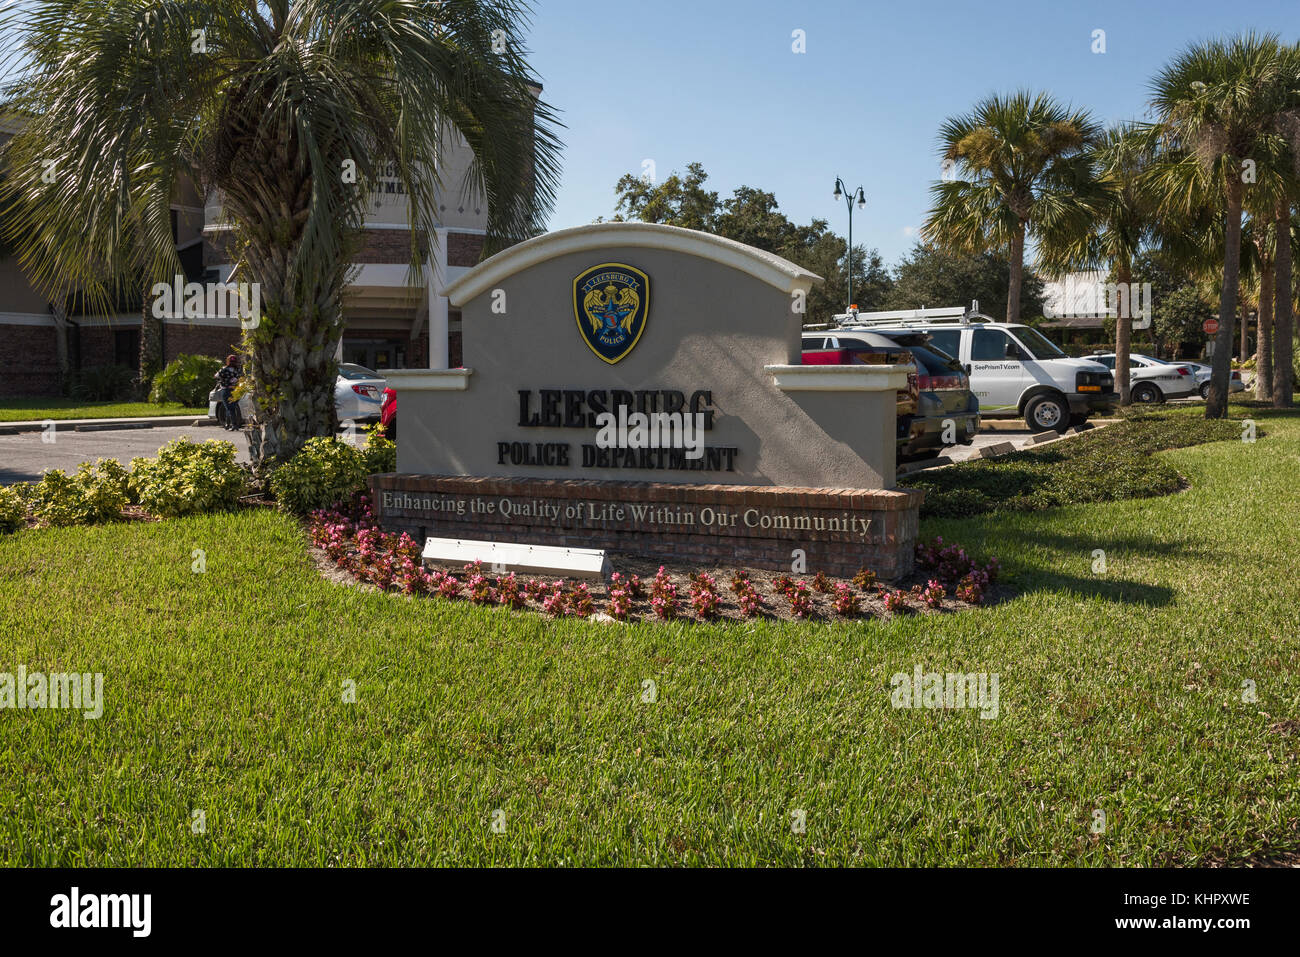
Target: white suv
<point x="1014" y="370"/>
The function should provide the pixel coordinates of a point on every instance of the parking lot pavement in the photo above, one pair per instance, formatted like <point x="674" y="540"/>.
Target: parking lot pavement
<point x="1019" y="438"/>
<point x="985" y="437"/>
<point x="24" y="456"/>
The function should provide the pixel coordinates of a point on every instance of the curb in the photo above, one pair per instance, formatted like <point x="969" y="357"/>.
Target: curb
<point x="1001" y="448"/>
<point x="85" y="425"/>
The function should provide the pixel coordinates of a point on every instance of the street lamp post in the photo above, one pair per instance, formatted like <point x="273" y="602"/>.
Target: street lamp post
<point x="850" y="196"/>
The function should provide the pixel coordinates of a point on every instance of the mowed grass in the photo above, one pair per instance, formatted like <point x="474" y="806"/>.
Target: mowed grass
<point x="1121" y="692"/>
<point x="39" y="409"/>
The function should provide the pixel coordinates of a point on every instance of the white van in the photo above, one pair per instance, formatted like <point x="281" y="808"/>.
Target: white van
<point x="1015" y="371"/>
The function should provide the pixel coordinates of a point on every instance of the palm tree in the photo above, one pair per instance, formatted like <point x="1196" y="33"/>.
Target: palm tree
<point x="289" y="109"/>
<point x="1259" y="243"/>
<point x="1284" y="306"/>
<point x="1219" y="105"/>
<point x="1020" y="167"/>
<point x="1118" y="229"/>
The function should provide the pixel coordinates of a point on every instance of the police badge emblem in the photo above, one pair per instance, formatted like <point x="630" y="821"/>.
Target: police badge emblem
<point x="611" y="302"/>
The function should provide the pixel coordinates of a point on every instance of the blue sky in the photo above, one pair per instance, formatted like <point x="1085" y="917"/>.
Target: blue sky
<point x="717" y="81"/>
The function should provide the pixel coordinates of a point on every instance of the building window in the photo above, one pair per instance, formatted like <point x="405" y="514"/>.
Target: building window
<point x="376" y="353"/>
<point x="126" y="347"/>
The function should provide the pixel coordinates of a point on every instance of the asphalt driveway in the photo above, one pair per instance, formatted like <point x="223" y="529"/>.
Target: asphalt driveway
<point x="24" y="456"/>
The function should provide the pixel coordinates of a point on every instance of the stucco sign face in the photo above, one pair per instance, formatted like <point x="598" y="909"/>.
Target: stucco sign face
<point x="611" y="303"/>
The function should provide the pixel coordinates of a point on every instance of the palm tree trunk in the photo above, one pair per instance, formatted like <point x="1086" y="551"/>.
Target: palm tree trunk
<point x="1017" y="272"/>
<point x="1243" y="347"/>
<point x="1124" y="336"/>
<point x="1264" y="348"/>
<point x="299" y="405"/>
<point x="151" y="333"/>
<point x="1283" y="375"/>
<point x="1216" y="406"/>
<point x="62" y="346"/>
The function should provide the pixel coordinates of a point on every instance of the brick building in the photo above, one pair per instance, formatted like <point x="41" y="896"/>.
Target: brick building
<point x="392" y="317"/>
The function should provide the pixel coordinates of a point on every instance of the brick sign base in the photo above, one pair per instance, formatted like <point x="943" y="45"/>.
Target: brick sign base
<point x="840" y="530"/>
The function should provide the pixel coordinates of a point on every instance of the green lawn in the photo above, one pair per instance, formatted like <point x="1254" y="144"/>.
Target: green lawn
<point x="223" y="693"/>
<point x="39" y="409"/>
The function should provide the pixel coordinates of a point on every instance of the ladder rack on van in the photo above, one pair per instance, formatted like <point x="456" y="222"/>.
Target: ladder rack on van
<point x="946" y="315"/>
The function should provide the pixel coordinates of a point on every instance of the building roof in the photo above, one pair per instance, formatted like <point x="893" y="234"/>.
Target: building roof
<point x="1081" y="322"/>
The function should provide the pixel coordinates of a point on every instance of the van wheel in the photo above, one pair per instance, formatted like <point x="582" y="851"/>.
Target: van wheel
<point x="1148" y="394"/>
<point x="1046" y="413"/>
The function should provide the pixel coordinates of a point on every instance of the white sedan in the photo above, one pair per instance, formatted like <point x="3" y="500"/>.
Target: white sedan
<point x="358" y="393"/>
<point x="1154" y="380"/>
<point x="1202" y="373"/>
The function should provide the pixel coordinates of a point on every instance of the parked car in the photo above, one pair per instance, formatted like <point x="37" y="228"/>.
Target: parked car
<point x="1014" y="370"/>
<point x="217" y="410"/>
<point x="1202" y="373"/>
<point x="1154" y="380"/>
<point x="358" y="394"/>
<point x="938" y="398"/>
<point x="388" y="415"/>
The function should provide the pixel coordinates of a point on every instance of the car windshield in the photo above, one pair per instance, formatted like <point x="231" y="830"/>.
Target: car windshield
<point x="1041" y="346"/>
<point x="349" y="370"/>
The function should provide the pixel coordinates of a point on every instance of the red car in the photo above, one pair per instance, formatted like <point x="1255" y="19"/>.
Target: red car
<point x="388" y="415"/>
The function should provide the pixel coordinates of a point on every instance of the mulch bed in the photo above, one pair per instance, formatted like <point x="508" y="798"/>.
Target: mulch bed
<point x="775" y="608"/>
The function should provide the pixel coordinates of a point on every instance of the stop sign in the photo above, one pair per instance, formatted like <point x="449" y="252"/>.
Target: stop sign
<point x="1211" y="326"/>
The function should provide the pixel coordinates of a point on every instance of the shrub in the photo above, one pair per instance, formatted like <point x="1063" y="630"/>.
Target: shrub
<point x="865" y="579"/>
<point x="800" y="600"/>
<point x="325" y="471"/>
<point x="187" y="380"/>
<point x="580" y="601"/>
<point x="556" y="603"/>
<point x="13" y="509"/>
<point x="847" y="602"/>
<point x="380" y="453"/>
<point x="509" y="592"/>
<point x="94" y="493"/>
<point x="102" y="384"/>
<point x="663" y="595"/>
<point x="933" y="593"/>
<point x="188" y="478"/>
<point x="1117" y="462"/>
<point x="895" y="602"/>
<point x="620" y="598"/>
<point x="704" y="596"/>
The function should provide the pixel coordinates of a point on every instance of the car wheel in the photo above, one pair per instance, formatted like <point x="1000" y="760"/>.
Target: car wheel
<point x="1205" y="390"/>
<point x="1148" y="394"/>
<point x="1046" y="413"/>
<point x="1077" y="420"/>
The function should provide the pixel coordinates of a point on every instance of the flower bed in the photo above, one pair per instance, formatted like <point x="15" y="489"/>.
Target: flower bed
<point x="947" y="580"/>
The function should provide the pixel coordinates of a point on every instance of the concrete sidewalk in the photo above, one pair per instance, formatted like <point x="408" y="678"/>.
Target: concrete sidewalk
<point x="104" y="425"/>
